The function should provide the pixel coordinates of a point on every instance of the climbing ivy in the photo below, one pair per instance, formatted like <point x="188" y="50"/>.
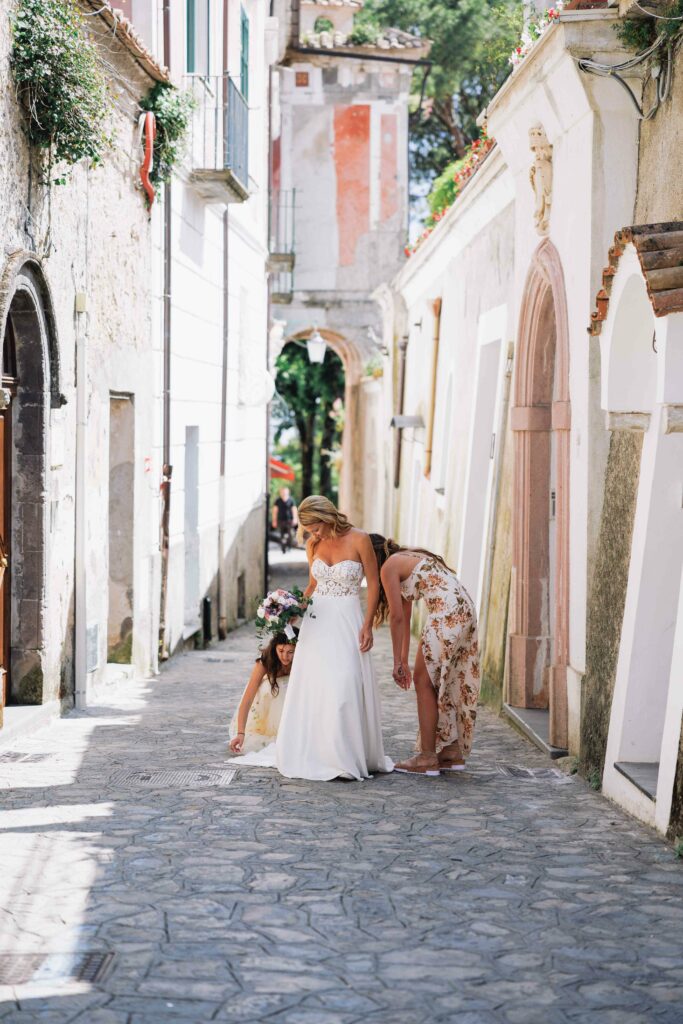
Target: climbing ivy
<point x="172" y="111"/>
<point x="59" y="81"/>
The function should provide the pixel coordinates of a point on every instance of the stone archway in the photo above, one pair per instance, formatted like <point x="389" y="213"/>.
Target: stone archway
<point x="541" y="420"/>
<point x="27" y="322"/>
<point x="350" y="483"/>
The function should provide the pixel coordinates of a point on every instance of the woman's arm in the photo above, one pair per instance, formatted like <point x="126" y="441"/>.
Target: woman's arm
<point x="367" y="555"/>
<point x="391" y="581"/>
<point x="407" y="614"/>
<point x="312" y="583"/>
<point x="250" y="691"/>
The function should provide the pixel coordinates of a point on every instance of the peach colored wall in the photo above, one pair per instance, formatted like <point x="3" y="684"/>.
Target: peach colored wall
<point x="389" y="167"/>
<point x="352" y="167"/>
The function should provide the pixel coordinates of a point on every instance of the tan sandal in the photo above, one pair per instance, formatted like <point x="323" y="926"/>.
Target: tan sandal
<point x="410" y="768"/>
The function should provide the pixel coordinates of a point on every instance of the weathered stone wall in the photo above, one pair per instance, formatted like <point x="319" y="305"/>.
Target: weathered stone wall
<point x="90" y="235"/>
<point x="676" y="819"/>
<point x="660" y="182"/>
<point x="608" y="594"/>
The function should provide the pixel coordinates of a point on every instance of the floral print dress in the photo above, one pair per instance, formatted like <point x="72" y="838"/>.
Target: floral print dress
<point x="450" y="648"/>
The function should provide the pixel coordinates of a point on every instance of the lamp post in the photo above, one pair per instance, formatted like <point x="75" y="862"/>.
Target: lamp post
<point x="316" y="346"/>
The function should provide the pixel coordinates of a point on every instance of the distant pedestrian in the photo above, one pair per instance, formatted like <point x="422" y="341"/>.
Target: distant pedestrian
<point x="285" y="518"/>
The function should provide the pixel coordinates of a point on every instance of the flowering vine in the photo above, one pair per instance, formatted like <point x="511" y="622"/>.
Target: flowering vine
<point x="537" y="27"/>
<point x="462" y="171"/>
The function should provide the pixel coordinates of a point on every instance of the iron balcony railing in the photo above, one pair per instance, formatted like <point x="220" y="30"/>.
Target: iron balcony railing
<point x="219" y="133"/>
<point x="282" y="222"/>
<point x="281" y="247"/>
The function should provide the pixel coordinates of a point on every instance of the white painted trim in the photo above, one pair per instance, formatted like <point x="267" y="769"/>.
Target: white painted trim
<point x="643" y="704"/>
<point x="491" y="330"/>
<point x="668" y="761"/>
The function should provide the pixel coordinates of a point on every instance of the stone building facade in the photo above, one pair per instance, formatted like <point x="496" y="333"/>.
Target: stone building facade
<point x="210" y="239"/>
<point x="135" y="365"/>
<point x="79" y="528"/>
<point x="542" y="459"/>
<point x="340" y="179"/>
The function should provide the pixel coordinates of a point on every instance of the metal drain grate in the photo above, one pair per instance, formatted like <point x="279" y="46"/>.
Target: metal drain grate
<point x="518" y="772"/>
<point x="22" y="968"/>
<point x="165" y="778"/>
<point x="15" y="755"/>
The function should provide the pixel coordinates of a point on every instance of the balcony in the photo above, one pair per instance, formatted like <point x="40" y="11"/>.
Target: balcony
<point x="218" y="145"/>
<point x="281" y="246"/>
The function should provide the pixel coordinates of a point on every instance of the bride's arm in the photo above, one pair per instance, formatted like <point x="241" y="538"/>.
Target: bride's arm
<point x="250" y="691"/>
<point x="369" y="561"/>
<point x="312" y="583"/>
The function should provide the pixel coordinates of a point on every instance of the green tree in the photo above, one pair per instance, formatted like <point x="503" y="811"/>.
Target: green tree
<point x="471" y="44"/>
<point x="309" y="391"/>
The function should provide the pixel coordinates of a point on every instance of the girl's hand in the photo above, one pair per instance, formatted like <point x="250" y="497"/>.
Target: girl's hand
<point x="402" y="676"/>
<point x="237" y="743"/>
<point x="366" y="639"/>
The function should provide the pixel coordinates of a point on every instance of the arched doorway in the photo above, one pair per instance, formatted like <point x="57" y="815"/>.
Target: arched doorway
<point x="29" y="375"/>
<point x="541" y="420"/>
<point x="350" y="497"/>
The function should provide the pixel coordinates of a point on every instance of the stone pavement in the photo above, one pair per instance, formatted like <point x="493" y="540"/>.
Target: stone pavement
<point x="471" y="898"/>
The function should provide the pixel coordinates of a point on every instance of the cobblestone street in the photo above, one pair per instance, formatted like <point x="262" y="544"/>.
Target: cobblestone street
<point x="473" y="898"/>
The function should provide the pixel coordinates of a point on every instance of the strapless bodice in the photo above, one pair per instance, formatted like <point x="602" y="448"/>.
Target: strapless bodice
<point x="343" y="579"/>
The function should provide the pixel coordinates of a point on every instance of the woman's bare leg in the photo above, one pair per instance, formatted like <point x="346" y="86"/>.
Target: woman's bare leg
<point x="428" y="717"/>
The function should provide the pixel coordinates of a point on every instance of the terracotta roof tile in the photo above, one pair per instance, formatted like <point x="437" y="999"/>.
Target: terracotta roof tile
<point x="128" y="37"/>
<point x="660" y="253"/>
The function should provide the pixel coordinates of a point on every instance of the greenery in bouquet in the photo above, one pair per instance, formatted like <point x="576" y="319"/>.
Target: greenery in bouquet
<point x="280" y="612"/>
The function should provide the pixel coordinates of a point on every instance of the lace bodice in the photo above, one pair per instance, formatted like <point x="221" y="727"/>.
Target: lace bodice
<point x="343" y="579"/>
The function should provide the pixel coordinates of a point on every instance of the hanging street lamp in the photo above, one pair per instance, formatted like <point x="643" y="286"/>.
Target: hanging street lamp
<point x="316" y="346"/>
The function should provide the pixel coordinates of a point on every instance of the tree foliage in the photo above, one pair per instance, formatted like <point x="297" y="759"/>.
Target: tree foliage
<point x="471" y="43"/>
<point x="310" y="391"/>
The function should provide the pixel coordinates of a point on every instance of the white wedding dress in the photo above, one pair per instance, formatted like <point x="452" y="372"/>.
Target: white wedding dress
<point x="331" y="723"/>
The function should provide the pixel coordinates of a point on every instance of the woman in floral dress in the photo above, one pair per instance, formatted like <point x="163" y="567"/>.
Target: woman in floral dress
<point x="446" y="673"/>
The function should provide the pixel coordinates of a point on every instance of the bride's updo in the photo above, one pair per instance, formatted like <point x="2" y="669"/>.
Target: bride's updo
<point x="319" y="509"/>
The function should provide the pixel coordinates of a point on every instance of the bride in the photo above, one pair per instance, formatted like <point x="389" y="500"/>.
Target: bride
<point x="331" y="721"/>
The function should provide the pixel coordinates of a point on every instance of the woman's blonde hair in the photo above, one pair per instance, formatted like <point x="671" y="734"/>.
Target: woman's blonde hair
<point x="319" y="509"/>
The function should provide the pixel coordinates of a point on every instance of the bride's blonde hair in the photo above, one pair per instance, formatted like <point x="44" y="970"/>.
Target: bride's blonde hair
<point x="319" y="509"/>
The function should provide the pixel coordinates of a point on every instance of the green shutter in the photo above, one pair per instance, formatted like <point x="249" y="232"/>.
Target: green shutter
<point x="190" y="36"/>
<point x="244" y="54"/>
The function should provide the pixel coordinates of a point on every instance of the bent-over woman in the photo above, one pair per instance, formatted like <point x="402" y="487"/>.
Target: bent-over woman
<point x="446" y="673"/>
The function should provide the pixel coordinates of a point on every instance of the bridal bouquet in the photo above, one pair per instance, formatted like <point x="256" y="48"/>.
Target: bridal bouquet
<point x="280" y="611"/>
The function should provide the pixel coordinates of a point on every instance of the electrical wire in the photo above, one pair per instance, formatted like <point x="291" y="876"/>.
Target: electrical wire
<point x="659" y="17"/>
<point x="661" y="73"/>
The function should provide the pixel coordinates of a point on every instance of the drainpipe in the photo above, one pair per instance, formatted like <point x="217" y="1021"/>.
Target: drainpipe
<point x="402" y="350"/>
<point x="436" y="308"/>
<point x="222" y="610"/>
<point x="167" y="467"/>
<point x="80" y="575"/>
<point x="221" y="590"/>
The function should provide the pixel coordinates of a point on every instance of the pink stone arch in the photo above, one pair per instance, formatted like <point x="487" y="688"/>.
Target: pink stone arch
<point x="541" y="417"/>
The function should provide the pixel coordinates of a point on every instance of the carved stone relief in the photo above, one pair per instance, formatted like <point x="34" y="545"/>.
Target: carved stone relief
<point x="541" y="176"/>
